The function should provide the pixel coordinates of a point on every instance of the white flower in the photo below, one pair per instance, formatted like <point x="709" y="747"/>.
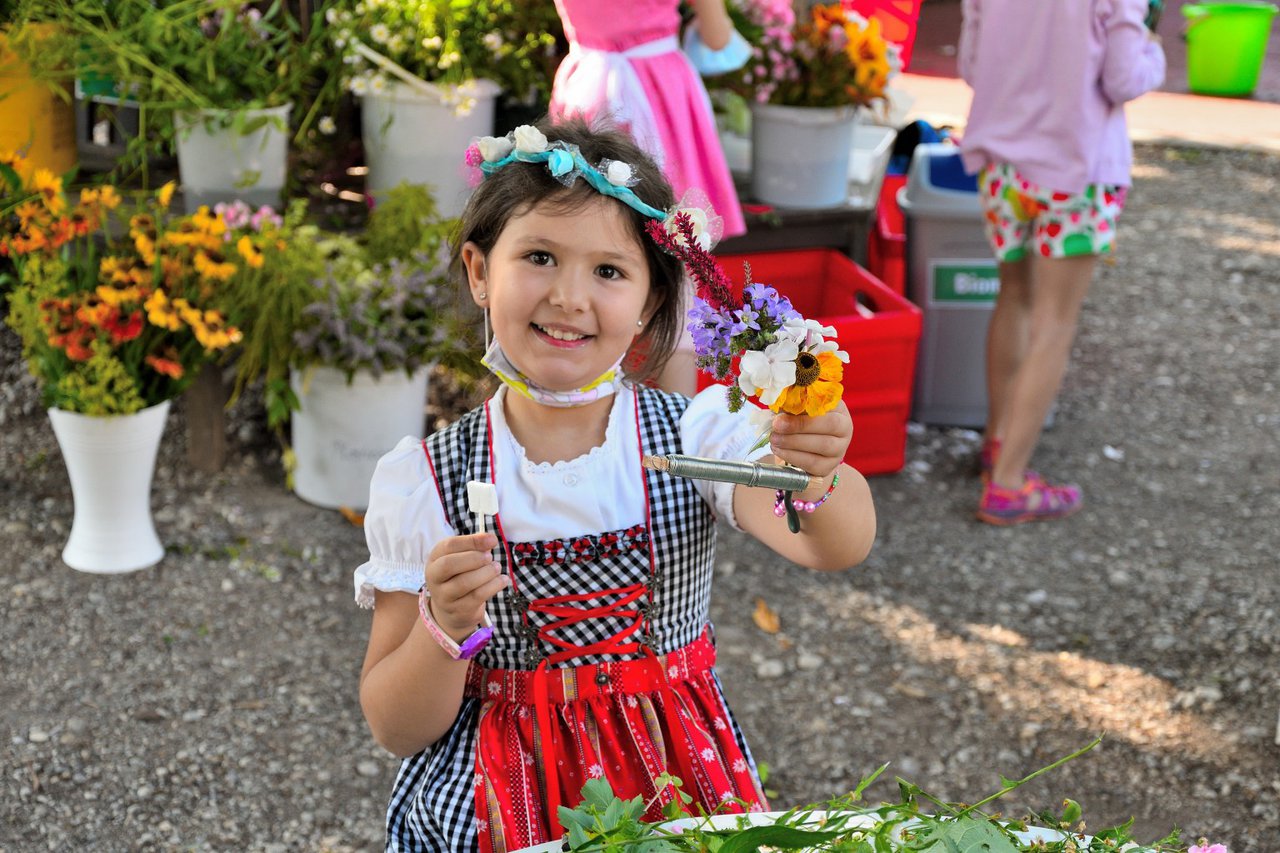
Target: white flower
<point x="358" y="86"/>
<point x="709" y="754"/>
<point x="380" y="33"/>
<point x="766" y="374"/>
<point x="529" y="139"/>
<point x="618" y="173"/>
<point x="327" y="125"/>
<point x="494" y="148"/>
<point x="493" y="41"/>
<point x="331" y="15"/>
<point x="396" y="45"/>
<point x="432" y="42"/>
<point x="595" y="771"/>
<point x="378" y="84"/>
<point x="739" y="765"/>
<point x="811" y="336"/>
<point x="698" y="218"/>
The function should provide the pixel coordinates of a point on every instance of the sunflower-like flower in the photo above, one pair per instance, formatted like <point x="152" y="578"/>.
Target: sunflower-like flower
<point x="817" y="388"/>
<point x="161" y="313"/>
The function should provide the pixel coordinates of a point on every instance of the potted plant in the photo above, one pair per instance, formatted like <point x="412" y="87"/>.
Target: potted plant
<point x="217" y="78"/>
<point x="345" y="338"/>
<point x="115" y="320"/>
<point x="428" y="73"/>
<point x="806" y="80"/>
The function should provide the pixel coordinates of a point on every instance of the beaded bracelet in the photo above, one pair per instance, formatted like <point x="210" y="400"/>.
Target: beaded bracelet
<point x="782" y="500"/>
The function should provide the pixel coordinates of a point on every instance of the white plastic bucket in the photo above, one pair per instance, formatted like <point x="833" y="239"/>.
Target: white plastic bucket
<point x="342" y="430"/>
<point x="800" y="155"/>
<point x="110" y="460"/>
<point x="411" y="136"/>
<point x="218" y="163"/>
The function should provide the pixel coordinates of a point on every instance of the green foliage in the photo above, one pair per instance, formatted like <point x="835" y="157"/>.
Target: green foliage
<point x="449" y="42"/>
<point x="603" y="822"/>
<point x="100" y="386"/>
<point x="405" y="221"/>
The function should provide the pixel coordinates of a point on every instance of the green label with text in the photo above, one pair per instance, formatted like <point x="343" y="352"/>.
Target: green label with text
<point x="973" y="281"/>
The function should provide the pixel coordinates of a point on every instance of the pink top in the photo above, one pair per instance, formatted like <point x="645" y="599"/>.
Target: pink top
<point x="625" y="62"/>
<point x="1050" y="79"/>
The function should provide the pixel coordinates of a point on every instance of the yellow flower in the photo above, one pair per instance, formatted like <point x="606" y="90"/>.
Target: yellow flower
<point x="49" y="186"/>
<point x="210" y="268"/>
<point x="115" y="296"/>
<point x="209" y="223"/>
<point x="189" y="314"/>
<point x="159" y="313"/>
<point x="817" y="389"/>
<point x="249" y="252"/>
<point x="165" y="194"/>
<point x="214" y="334"/>
<point x="9" y="157"/>
<point x="109" y="197"/>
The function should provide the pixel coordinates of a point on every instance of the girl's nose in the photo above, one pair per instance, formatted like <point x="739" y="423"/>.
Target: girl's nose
<point x="571" y="290"/>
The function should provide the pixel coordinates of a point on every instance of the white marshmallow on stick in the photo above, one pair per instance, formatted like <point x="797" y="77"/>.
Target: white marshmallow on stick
<point x="482" y="499"/>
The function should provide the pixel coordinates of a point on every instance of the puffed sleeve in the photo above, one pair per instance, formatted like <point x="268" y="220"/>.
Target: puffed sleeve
<point x="709" y="429"/>
<point x="402" y="524"/>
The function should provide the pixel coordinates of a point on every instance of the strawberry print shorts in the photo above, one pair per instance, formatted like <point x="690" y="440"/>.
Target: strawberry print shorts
<point x="1021" y="216"/>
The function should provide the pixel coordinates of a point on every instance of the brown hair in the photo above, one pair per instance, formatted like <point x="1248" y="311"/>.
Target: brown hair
<point x="517" y="188"/>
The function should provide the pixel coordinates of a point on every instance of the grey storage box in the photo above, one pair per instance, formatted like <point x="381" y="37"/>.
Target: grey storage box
<point x="952" y="277"/>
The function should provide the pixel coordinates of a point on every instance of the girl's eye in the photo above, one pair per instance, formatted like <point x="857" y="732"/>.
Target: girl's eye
<point x="541" y="259"/>
<point x="608" y="273"/>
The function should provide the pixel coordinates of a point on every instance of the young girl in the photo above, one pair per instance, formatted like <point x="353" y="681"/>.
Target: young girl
<point x="1047" y="133"/>
<point x="594" y="573"/>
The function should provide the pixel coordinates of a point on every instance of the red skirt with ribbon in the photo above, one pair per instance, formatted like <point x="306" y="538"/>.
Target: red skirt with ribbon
<point x="543" y="733"/>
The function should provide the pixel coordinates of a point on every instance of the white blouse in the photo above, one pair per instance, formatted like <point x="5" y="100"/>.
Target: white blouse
<point x="594" y="493"/>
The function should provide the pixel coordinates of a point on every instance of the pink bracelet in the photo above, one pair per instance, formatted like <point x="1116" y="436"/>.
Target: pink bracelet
<point x="780" y="501"/>
<point x="469" y="647"/>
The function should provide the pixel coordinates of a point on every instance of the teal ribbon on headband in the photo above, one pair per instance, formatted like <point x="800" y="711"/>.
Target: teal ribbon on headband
<point x="565" y="164"/>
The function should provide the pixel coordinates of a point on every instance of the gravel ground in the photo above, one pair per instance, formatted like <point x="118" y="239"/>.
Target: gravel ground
<point x="209" y="703"/>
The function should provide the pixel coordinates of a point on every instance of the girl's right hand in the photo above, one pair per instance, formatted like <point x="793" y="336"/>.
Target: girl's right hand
<point x="462" y="576"/>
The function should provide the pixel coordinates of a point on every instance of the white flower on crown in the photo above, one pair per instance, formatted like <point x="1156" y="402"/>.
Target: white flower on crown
<point x="811" y="336"/>
<point x="529" y="140"/>
<point x="698" y="218"/>
<point x="494" y="148"/>
<point x="766" y="373"/>
<point x="618" y="173"/>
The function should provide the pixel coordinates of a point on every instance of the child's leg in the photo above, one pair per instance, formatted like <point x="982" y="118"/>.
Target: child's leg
<point x="1006" y="340"/>
<point x="1060" y="285"/>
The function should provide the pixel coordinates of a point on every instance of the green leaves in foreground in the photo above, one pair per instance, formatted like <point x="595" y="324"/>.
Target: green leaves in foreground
<point x="603" y="822"/>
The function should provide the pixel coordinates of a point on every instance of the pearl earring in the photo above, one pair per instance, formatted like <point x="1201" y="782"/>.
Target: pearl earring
<point x="484" y="294"/>
<point x="639" y="324"/>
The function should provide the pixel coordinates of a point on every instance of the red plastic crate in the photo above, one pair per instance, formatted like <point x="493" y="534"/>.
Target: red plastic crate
<point x="877" y="327"/>
<point x="887" y="243"/>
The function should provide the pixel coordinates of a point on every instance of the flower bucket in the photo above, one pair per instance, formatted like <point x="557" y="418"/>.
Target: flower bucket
<point x="1226" y="45"/>
<point x="341" y="430"/>
<point x="411" y="136"/>
<point x="800" y="155"/>
<point x="110" y="460"/>
<point x="219" y="163"/>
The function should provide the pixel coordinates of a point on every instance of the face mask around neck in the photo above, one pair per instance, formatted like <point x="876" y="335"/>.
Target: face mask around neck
<point x="498" y="363"/>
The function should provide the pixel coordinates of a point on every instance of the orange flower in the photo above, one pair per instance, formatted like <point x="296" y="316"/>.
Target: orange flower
<point x="123" y="327"/>
<point x="817" y="389"/>
<point x="165" y="366"/>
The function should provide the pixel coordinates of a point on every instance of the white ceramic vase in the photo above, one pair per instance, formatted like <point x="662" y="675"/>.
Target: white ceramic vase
<point x="110" y="460"/>
<point x="411" y="136"/>
<point x="219" y="163"/>
<point x="341" y="430"/>
<point x="800" y="155"/>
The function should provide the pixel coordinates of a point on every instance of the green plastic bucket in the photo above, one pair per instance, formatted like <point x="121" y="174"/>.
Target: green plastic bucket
<point x="1226" y="44"/>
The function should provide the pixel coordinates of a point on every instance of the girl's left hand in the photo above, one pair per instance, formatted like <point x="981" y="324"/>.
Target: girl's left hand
<point x="816" y="445"/>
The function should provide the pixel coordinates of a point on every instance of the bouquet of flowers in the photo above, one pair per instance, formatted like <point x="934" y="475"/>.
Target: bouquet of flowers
<point x="757" y="342"/>
<point x="448" y="43"/>
<point x="112" y="324"/>
<point x="830" y="58"/>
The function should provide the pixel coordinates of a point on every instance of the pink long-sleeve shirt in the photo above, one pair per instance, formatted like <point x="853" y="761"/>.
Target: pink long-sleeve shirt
<point x="1050" y="79"/>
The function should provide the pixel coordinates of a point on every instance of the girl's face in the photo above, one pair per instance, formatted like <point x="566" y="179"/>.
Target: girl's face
<point x="564" y="290"/>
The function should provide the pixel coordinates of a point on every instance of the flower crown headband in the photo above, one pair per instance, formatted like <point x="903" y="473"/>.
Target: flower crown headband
<point x="613" y="178"/>
<point x="757" y="342"/>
